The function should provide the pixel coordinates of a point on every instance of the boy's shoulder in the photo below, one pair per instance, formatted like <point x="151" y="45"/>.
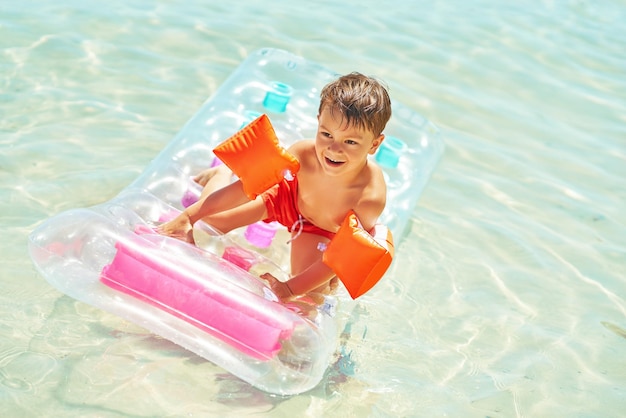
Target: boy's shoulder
<point x="303" y="144"/>
<point x="376" y="187"/>
<point x="303" y="149"/>
<point x="372" y="196"/>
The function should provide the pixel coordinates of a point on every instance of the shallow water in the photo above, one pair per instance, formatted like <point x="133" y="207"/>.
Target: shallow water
<point x="507" y="294"/>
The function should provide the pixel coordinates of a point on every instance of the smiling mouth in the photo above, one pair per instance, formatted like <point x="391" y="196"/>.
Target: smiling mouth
<point x="333" y="162"/>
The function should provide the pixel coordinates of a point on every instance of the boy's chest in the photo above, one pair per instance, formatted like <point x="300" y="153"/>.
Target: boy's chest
<point x="325" y="205"/>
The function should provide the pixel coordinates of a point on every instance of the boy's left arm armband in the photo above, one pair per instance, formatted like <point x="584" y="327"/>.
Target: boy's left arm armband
<point x="358" y="258"/>
<point x="254" y="155"/>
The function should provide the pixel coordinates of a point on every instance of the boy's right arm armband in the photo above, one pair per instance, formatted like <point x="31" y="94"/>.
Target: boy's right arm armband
<point x="358" y="258"/>
<point x="254" y="155"/>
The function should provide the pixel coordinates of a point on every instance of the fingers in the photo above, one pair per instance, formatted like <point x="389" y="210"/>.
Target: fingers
<point x="268" y="278"/>
<point x="279" y="288"/>
<point x="189" y="237"/>
<point x="170" y="230"/>
<point x="273" y="283"/>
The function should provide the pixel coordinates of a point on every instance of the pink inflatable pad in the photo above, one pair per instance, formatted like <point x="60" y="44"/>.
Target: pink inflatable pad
<point x="148" y="276"/>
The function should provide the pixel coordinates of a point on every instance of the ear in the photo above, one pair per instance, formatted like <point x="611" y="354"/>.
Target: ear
<point x="376" y="143"/>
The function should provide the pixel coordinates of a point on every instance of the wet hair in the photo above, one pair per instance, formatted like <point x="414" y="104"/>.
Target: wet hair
<point x="362" y="101"/>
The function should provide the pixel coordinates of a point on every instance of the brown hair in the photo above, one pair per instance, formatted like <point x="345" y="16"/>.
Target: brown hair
<point x="362" y="101"/>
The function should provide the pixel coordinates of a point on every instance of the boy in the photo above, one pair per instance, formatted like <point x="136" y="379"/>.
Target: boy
<point x="335" y="177"/>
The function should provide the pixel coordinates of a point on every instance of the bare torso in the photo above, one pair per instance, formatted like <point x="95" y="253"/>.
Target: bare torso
<point x="325" y="200"/>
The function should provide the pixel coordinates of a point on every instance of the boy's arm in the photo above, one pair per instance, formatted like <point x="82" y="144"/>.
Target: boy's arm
<point x="220" y="200"/>
<point x="369" y="211"/>
<point x="223" y="199"/>
<point x="316" y="275"/>
<point x="359" y="257"/>
<point x="313" y="277"/>
<point x="373" y="201"/>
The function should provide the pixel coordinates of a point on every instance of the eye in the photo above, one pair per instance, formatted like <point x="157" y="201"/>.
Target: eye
<point x="351" y="142"/>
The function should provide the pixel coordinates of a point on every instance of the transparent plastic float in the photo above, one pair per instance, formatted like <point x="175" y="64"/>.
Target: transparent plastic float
<point x="208" y="298"/>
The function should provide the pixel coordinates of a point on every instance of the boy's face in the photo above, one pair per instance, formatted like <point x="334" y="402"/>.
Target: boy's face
<point x="342" y="147"/>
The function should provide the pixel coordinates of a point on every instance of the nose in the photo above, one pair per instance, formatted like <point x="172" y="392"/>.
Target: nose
<point x="334" y="145"/>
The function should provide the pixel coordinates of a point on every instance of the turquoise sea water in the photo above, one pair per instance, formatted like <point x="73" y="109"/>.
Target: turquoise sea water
<point x="508" y="294"/>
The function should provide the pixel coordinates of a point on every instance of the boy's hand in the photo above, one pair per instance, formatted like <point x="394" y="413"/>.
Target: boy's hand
<point x="281" y="289"/>
<point x="179" y="227"/>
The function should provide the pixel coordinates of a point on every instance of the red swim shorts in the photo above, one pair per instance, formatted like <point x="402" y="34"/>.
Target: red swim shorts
<point x="281" y="202"/>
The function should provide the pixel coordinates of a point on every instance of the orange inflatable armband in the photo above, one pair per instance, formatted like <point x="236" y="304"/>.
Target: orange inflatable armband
<point x="254" y="155"/>
<point x="358" y="258"/>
